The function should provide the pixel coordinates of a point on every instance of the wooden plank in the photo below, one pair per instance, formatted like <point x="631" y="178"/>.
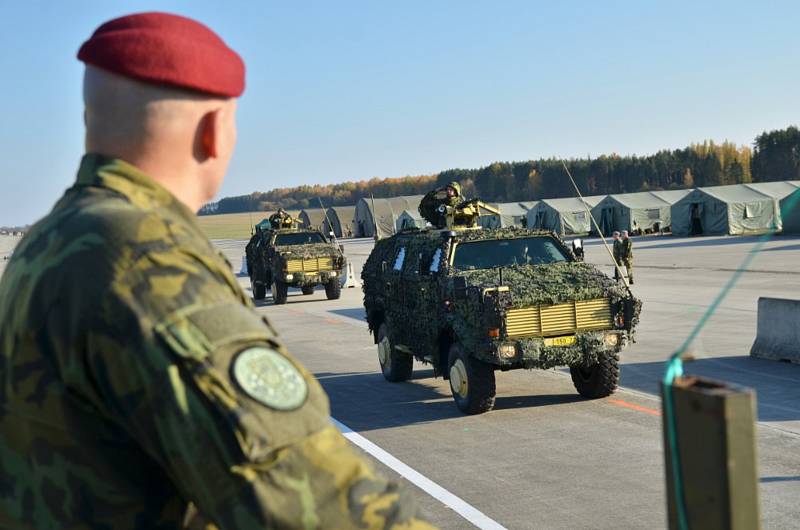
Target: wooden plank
<point x="715" y="427"/>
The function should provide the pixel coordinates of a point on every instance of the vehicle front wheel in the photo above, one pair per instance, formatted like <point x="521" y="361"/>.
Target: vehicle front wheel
<point x="395" y="365"/>
<point x="280" y="292"/>
<point x="598" y="380"/>
<point x="307" y="289"/>
<point x="259" y="290"/>
<point x="333" y="289"/>
<point x="471" y="381"/>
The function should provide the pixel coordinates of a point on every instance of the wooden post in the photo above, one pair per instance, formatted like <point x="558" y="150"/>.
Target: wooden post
<point x="715" y="431"/>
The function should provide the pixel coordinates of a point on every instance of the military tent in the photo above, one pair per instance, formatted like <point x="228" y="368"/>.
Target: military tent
<point x="341" y="221"/>
<point x="410" y="219"/>
<point x="725" y="210"/>
<point x="511" y="214"/>
<point x="635" y="212"/>
<point x="776" y="190"/>
<point x="564" y="216"/>
<point x="790" y="212"/>
<point x="671" y="196"/>
<point x="312" y="218"/>
<point x="385" y="215"/>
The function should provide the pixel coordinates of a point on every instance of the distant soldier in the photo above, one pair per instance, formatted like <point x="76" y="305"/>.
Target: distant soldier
<point x="280" y="219"/>
<point x="617" y="249"/>
<point x="626" y="254"/>
<point x="449" y="195"/>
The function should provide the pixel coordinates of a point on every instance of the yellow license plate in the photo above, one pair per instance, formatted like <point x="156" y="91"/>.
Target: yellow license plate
<point x="560" y="341"/>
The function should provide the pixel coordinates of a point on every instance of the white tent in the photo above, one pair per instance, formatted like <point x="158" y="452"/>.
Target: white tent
<point x="410" y="219"/>
<point x="564" y="216"/>
<point x="341" y="221"/>
<point x="634" y="212"/>
<point x="511" y="214"/>
<point x="725" y="210"/>
<point x="385" y="214"/>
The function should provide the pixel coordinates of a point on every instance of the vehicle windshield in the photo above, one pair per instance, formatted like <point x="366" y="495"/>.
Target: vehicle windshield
<point x="507" y="252"/>
<point x="301" y="238"/>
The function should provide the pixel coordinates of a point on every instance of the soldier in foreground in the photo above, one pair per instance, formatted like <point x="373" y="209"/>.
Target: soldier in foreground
<point x="139" y="387"/>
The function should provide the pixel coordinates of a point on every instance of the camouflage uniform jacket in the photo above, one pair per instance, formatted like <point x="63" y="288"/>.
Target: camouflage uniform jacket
<point x="617" y="247"/>
<point x="626" y="250"/>
<point x="139" y="385"/>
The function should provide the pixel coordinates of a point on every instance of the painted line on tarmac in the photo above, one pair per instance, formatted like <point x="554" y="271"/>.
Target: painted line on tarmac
<point x="457" y="504"/>
<point x="632" y="406"/>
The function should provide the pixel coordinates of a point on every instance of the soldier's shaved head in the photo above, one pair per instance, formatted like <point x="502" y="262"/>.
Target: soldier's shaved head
<point x="182" y="139"/>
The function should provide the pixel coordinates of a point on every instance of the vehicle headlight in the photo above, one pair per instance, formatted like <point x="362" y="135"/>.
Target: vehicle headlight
<point x="507" y="350"/>
<point x="611" y="339"/>
<point x="333" y="274"/>
<point x="289" y="277"/>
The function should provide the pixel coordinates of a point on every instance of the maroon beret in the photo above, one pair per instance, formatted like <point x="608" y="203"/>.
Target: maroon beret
<point x="166" y="49"/>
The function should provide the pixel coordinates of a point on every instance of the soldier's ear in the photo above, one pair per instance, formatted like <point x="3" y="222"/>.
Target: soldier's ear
<point x="210" y="127"/>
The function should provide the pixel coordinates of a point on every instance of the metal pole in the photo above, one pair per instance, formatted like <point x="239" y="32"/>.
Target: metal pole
<point x="600" y="232"/>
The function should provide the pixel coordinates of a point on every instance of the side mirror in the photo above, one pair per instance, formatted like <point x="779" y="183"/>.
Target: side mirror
<point x="460" y="287"/>
<point x="577" y="248"/>
<point x="331" y="234"/>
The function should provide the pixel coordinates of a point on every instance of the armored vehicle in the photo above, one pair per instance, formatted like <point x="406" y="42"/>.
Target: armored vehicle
<point x="280" y="258"/>
<point x="472" y="301"/>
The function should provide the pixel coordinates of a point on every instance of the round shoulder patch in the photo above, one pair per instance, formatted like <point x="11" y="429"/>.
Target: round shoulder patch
<point x="270" y="378"/>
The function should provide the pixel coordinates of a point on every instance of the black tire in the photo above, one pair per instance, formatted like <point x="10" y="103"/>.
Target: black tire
<point x="333" y="289"/>
<point x="307" y="289"/>
<point x="475" y="380"/>
<point x="599" y="380"/>
<point x="395" y="365"/>
<point x="259" y="290"/>
<point x="280" y="292"/>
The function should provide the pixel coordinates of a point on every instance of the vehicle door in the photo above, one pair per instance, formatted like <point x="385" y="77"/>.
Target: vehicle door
<point x="421" y="294"/>
<point x="393" y="290"/>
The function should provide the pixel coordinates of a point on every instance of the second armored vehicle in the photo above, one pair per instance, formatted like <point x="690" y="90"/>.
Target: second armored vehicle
<point x="280" y="258"/>
<point x="472" y="301"/>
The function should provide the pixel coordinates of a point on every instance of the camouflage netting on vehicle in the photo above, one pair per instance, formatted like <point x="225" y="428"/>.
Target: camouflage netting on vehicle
<point x="549" y="284"/>
<point x="422" y="305"/>
<point x="585" y="351"/>
<point x="318" y="250"/>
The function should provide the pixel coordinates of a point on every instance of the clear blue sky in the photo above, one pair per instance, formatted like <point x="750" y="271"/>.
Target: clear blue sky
<point x="351" y="90"/>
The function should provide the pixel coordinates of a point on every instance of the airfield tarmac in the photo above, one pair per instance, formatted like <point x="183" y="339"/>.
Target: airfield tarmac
<point x="545" y="457"/>
<point x="7" y="244"/>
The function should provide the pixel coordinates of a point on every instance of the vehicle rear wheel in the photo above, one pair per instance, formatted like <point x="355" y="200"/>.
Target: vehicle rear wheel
<point x="307" y="289"/>
<point x="471" y="381"/>
<point x="395" y="365"/>
<point x="280" y="292"/>
<point x="598" y="380"/>
<point x="333" y="289"/>
<point x="259" y="290"/>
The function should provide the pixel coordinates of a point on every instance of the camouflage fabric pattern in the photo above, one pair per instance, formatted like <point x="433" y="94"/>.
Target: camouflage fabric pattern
<point x="626" y="256"/>
<point x="118" y="327"/>
<point x="412" y="300"/>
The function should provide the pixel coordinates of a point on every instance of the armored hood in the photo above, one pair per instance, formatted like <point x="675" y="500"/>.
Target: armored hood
<point x="530" y="285"/>
<point x="315" y="250"/>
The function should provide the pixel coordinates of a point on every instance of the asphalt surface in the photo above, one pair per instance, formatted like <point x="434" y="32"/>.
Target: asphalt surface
<point x="544" y="457"/>
<point x="7" y="244"/>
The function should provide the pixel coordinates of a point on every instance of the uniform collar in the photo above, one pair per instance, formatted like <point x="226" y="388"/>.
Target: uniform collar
<point x="126" y="179"/>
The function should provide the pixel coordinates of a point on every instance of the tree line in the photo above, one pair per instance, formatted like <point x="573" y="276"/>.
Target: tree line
<point x="775" y="156"/>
